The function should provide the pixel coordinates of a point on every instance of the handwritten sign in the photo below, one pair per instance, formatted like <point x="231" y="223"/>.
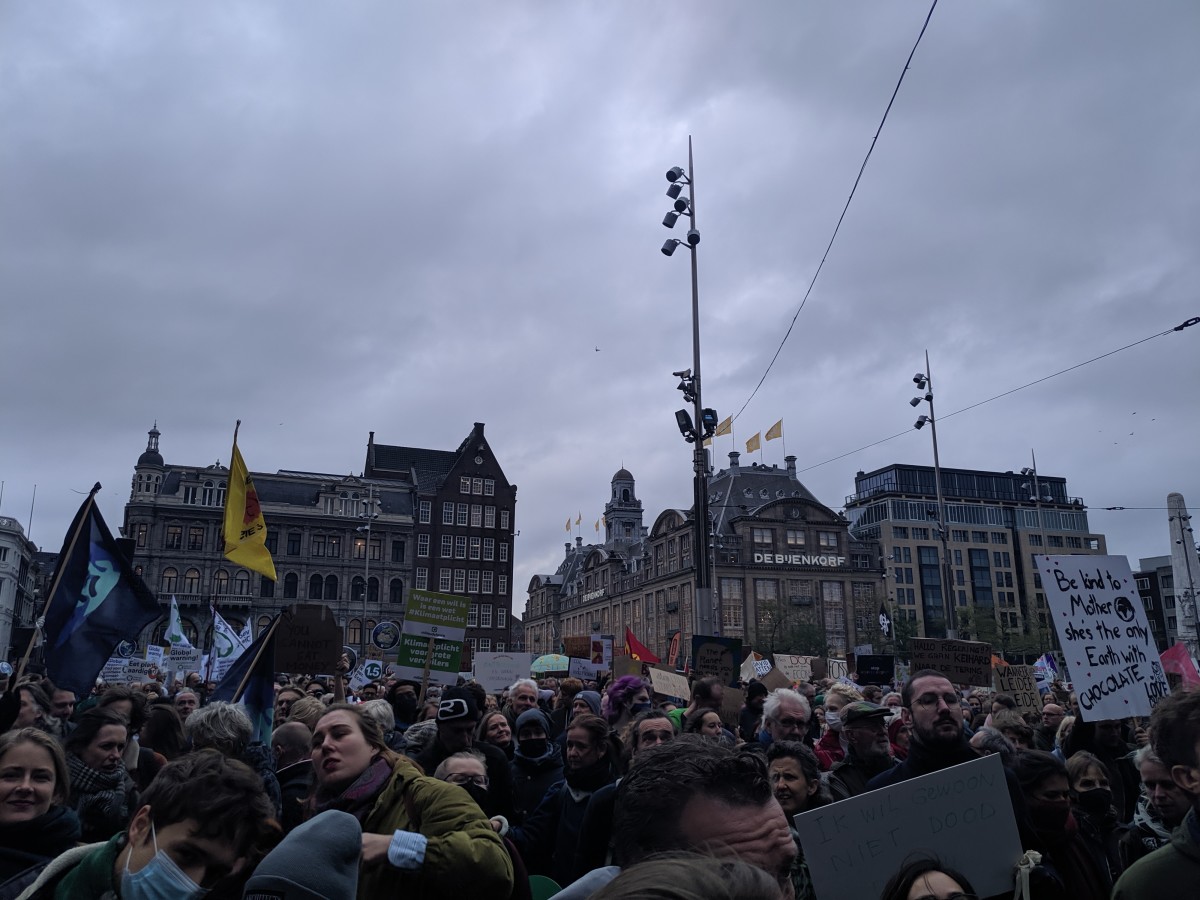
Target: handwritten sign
<point x="442" y="616"/>
<point x="774" y="680"/>
<point x="308" y="640"/>
<point x="732" y="701"/>
<point x="717" y="657"/>
<point x="496" y="671"/>
<point x="963" y="662"/>
<point x="854" y="846"/>
<point x="1019" y="683"/>
<point x="577" y="646"/>
<point x="670" y="684"/>
<point x="626" y="665"/>
<point x="1101" y="622"/>
<point x="794" y="668"/>
<point x="583" y="669"/>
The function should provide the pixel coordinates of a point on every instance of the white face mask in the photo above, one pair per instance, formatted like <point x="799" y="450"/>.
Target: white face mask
<point x="159" y="879"/>
<point x="833" y="718"/>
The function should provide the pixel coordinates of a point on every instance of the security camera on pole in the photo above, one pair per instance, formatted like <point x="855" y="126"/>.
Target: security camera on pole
<point x="701" y="423"/>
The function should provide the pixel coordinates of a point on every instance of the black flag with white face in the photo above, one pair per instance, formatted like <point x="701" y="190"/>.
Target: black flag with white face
<point x="885" y="621"/>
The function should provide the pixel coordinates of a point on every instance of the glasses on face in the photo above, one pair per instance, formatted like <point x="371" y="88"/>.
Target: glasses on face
<point x="931" y="700"/>
<point x="315" y="692"/>
<point x="460" y="779"/>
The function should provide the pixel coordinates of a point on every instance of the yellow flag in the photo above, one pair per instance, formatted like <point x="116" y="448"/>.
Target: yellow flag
<point x="775" y="431"/>
<point x="597" y="524"/>
<point x="603" y="521"/>
<point x="245" y="528"/>
<point x="754" y="443"/>
<point x="579" y="519"/>
<point x="725" y="427"/>
<point x="568" y="523"/>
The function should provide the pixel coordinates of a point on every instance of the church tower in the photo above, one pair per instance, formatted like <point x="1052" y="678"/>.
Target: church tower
<point x="148" y="472"/>
<point x="623" y="512"/>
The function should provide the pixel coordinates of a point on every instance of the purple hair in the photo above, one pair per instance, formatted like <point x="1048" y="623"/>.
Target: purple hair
<point x="619" y="693"/>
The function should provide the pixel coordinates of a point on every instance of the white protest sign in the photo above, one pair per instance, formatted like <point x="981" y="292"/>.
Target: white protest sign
<point x="1101" y="623"/>
<point x="154" y="654"/>
<point x="182" y="659"/>
<point x="114" y="671"/>
<point x="669" y="684"/>
<point x="853" y="847"/>
<point x="496" y="671"/>
<point x="795" y="668"/>
<point x="370" y="670"/>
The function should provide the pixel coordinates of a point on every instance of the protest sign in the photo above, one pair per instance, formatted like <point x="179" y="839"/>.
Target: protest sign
<point x="1110" y="653"/>
<point x="1019" y="683"/>
<point x="774" y="680"/>
<point x="308" y="640"/>
<point x="577" y="646"/>
<point x="670" y="684"/>
<point x="583" y="669"/>
<point x="853" y="847"/>
<point x="835" y="668"/>
<point x="114" y="671"/>
<point x="370" y="670"/>
<point x="496" y="671"/>
<point x="600" y="651"/>
<point x="794" y="668"/>
<point x="385" y="635"/>
<point x="963" y="662"/>
<point x="875" y="669"/>
<point x="732" y="701"/>
<point x="154" y="654"/>
<point x="433" y="615"/>
<point x="717" y="657"/>
<point x="444" y="662"/>
<point x="626" y="665"/>
<point x="179" y="658"/>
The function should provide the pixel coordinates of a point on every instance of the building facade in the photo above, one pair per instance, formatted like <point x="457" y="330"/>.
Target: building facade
<point x="18" y="597"/>
<point x="344" y="541"/>
<point x="787" y="574"/>
<point x="996" y="523"/>
<point x="1155" y="582"/>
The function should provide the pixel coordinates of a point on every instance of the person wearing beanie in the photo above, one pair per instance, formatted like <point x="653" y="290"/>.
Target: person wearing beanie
<point x="457" y="720"/>
<point x="317" y="861"/>
<point x="536" y="765"/>
<point x="751" y="714"/>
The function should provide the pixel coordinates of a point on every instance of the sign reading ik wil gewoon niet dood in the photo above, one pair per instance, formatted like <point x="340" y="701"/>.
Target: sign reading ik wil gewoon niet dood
<point x="1101" y="623"/>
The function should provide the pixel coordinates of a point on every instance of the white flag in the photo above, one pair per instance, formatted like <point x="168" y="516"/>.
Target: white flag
<point x="175" y="636"/>
<point x="227" y="647"/>
<point x="247" y="635"/>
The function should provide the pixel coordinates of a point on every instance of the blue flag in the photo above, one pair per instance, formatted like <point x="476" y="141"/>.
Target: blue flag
<point x="96" y="601"/>
<point x="252" y="680"/>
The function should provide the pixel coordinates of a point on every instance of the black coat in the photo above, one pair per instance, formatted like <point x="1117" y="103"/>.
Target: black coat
<point x="500" y="788"/>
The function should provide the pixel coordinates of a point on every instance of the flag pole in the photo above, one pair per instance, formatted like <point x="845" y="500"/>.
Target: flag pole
<point x="58" y="573"/>
<point x="237" y="695"/>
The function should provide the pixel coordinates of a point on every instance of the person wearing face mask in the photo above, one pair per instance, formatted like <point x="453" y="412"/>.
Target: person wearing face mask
<point x="832" y="747"/>
<point x="1092" y="806"/>
<point x="203" y="822"/>
<point x="1071" y="867"/>
<point x="403" y="697"/>
<point x="536" y="765"/>
<point x="624" y="699"/>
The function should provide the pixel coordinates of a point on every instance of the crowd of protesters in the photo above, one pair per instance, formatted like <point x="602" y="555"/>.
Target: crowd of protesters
<point x="607" y="790"/>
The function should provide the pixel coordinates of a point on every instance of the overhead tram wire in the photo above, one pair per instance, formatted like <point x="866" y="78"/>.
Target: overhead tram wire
<point x="1188" y="323"/>
<point x="845" y="209"/>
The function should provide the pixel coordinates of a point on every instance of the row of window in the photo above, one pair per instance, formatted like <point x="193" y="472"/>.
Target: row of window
<point x="794" y="539"/>
<point x="463" y="581"/>
<point x="479" y="486"/>
<point x="480" y="616"/>
<point x="463" y="547"/>
<point x="209" y="494"/>
<point x="484" y="645"/>
<point x="169" y="582"/>
<point x="471" y="515"/>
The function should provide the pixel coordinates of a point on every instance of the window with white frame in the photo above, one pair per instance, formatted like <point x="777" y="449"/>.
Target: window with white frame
<point x="485" y="645"/>
<point x="502" y="585"/>
<point x="424" y="512"/>
<point x="489" y="487"/>
<point x="476" y="515"/>
<point x="489" y="517"/>
<point x="504" y="519"/>
<point x="501" y="617"/>
<point x="422" y="545"/>
<point x="485" y="616"/>
<point x="487" y="586"/>
<point x="464" y="484"/>
<point x="474" y="552"/>
<point x="476" y="485"/>
<point x="464" y="513"/>
<point x="447" y="513"/>
<point x="473" y="581"/>
<point x="472" y="643"/>
<point x="460" y="546"/>
<point x="503" y="552"/>
<point x="422" y="578"/>
<point x="444" y="579"/>
<point x="460" y="580"/>
<point x="447" y="546"/>
<point x="473" y="616"/>
<point x="489" y="548"/>
<point x="500" y="645"/>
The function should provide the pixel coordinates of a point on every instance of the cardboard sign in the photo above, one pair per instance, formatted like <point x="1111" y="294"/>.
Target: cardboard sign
<point x="853" y="847"/>
<point x="442" y="616"/>
<point x="1019" y="682"/>
<point x="732" y="701"/>
<point x="1110" y="653"/>
<point x="717" y="657"/>
<point x="578" y="647"/>
<point x="670" y="684"/>
<point x="963" y="662"/>
<point x="626" y="665"/>
<point x="308" y="640"/>
<point x="774" y="680"/>
<point x="836" y="668"/>
<point x="496" y="671"/>
<point x="875" y="669"/>
<point x="443" y="666"/>
<point x="795" y="668"/>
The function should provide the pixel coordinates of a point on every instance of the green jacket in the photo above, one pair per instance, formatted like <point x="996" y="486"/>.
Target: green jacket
<point x="82" y="873"/>
<point x="1166" y="871"/>
<point x="464" y="857"/>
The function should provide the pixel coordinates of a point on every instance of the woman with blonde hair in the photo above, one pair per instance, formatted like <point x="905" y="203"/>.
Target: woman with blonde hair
<point x="36" y="824"/>
<point x="832" y="746"/>
<point x="421" y="837"/>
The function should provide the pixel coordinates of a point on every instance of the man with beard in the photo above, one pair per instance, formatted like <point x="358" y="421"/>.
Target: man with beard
<point x="549" y="838"/>
<point x="938" y="741"/>
<point x="869" y="750"/>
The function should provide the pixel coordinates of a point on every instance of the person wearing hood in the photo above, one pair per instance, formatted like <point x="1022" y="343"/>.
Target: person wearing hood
<point x="536" y="764"/>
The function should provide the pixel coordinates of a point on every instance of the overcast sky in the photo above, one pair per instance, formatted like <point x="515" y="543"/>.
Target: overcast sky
<point x="331" y="218"/>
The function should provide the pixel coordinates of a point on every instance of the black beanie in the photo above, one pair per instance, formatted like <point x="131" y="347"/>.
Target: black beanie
<point x="317" y="861"/>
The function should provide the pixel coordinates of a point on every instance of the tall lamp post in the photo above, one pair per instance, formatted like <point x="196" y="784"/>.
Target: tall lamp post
<point x="369" y="515"/>
<point x="924" y="382"/>
<point x="1038" y="494"/>
<point x="700" y="424"/>
<point x="1185" y="594"/>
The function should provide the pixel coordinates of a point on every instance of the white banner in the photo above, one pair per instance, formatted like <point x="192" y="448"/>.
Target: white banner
<point x="496" y="671"/>
<point x="227" y="647"/>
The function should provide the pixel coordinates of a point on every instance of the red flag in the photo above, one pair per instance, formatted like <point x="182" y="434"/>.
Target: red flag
<point x="637" y="649"/>
<point x="1177" y="661"/>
